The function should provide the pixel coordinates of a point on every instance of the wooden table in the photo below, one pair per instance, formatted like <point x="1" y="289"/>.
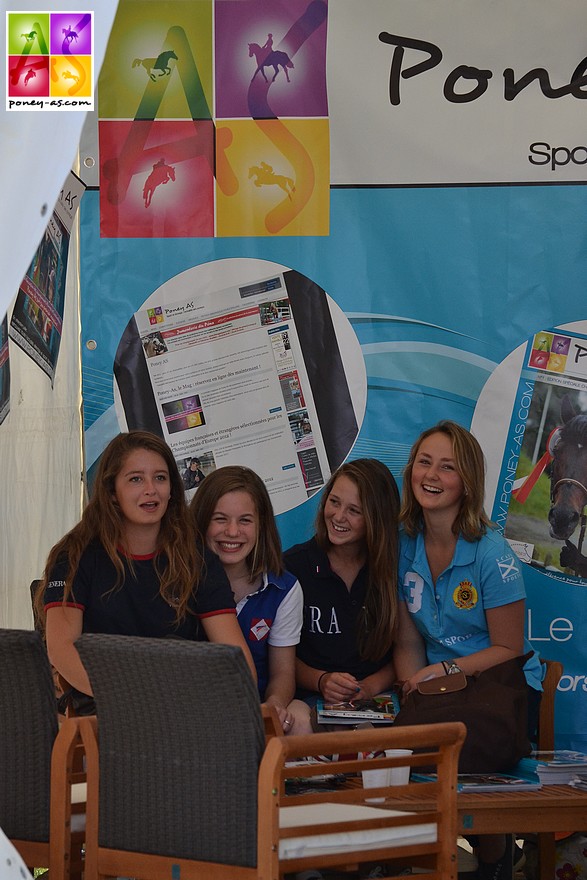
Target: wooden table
<point x="542" y="812"/>
<point x="551" y="808"/>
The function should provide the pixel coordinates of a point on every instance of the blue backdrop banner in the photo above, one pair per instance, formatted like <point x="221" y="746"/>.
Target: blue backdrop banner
<point x="443" y="264"/>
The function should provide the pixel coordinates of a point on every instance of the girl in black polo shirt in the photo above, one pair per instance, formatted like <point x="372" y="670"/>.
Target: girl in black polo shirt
<point x="348" y="573"/>
<point x="133" y="565"/>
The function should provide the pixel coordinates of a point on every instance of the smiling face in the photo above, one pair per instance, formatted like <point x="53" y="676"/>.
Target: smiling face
<point x="142" y="489"/>
<point x="343" y="514"/>
<point x="232" y="531"/>
<point x="436" y="483"/>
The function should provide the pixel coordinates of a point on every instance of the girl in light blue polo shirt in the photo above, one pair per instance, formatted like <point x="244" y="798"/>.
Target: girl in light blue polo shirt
<point x="461" y="584"/>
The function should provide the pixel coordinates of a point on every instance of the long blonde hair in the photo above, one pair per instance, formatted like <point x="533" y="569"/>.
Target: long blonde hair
<point x="379" y="497"/>
<point x="103" y="520"/>
<point x="471" y="521"/>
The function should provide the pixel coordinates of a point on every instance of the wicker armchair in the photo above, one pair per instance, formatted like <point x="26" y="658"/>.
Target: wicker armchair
<point x="180" y="782"/>
<point x="36" y="780"/>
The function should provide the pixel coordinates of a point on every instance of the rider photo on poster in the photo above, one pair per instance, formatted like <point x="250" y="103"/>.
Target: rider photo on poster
<point x="37" y="317"/>
<point x="4" y="371"/>
<point x="38" y="312"/>
<point x="545" y="523"/>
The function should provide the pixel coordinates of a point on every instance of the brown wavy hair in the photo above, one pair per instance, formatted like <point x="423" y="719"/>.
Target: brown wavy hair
<point x="182" y="565"/>
<point x="380" y="503"/>
<point x="266" y="554"/>
<point x="471" y="521"/>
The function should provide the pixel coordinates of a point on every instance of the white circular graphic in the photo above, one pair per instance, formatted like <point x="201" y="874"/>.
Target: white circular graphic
<point x="245" y="361"/>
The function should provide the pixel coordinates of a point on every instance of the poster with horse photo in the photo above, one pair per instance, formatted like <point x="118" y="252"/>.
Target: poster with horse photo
<point x="546" y="520"/>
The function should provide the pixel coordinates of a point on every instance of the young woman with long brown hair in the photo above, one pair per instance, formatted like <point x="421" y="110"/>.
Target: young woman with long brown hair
<point x="132" y="565"/>
<point x="348" y="573"/>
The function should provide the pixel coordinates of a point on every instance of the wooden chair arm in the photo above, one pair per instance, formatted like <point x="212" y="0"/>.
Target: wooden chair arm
<point x="271" y="721"/>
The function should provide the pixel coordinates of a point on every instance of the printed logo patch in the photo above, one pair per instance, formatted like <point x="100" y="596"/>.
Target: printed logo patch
<point x="508" y="568"/>
<point x="259" y="629"/>
<point x="465" y="595"/>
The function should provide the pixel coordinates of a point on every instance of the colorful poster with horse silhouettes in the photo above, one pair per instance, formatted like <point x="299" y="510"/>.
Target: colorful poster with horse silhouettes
<point x="256" y="161"/>
<point x="275" y="128"/>
<point x="282" y="173"/>
<point x="156" y="130"/>
<point x="50" y="61"/>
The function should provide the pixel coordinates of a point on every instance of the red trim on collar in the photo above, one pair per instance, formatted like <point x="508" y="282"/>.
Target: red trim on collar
<point x="137" y="558"/>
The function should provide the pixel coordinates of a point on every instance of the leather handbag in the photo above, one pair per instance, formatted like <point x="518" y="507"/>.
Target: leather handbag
<point x="492" y="704"/>
<point x="445" y="684"/>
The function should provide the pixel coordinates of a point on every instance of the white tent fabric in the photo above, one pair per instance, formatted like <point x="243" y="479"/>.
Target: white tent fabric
<point x="40" y="460"/>
<point x="41" y="439"/>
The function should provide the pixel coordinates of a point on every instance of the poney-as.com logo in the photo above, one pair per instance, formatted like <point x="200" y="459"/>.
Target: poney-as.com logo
<point x="49" y="61"/>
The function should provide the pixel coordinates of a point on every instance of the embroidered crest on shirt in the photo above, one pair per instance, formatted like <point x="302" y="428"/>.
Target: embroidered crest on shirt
<point x="259" y="629"/>
<point x="465" y="595"/>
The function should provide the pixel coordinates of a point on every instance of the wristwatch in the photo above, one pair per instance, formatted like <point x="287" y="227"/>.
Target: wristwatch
<point x="451" y="667"/>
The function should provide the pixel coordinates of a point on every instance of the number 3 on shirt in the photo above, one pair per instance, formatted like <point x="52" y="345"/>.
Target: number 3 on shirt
<point x="415" y="585"/>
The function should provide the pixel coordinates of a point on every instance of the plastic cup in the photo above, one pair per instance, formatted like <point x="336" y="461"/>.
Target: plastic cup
<point x="376" y="779"/>
<point x="398" y="775"/>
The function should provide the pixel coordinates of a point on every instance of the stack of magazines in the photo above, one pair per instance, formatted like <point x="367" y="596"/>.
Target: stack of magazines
<point x="579" y="780"/>
<point x="381" y="709"/>
<point x="481" y="782"/>
<point x="558" y="767"/>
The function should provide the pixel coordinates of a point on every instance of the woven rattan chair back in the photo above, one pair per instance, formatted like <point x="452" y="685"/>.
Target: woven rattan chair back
<point x="28" y="722"/>
<point x="180" y="741"/>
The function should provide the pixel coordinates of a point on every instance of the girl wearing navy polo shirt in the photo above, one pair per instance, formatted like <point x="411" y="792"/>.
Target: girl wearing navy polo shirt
<point x="233" y="510"/>
<point x="348" y="573"/>
<point x="460" y="583"/>
<point x="130" y="566"/>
